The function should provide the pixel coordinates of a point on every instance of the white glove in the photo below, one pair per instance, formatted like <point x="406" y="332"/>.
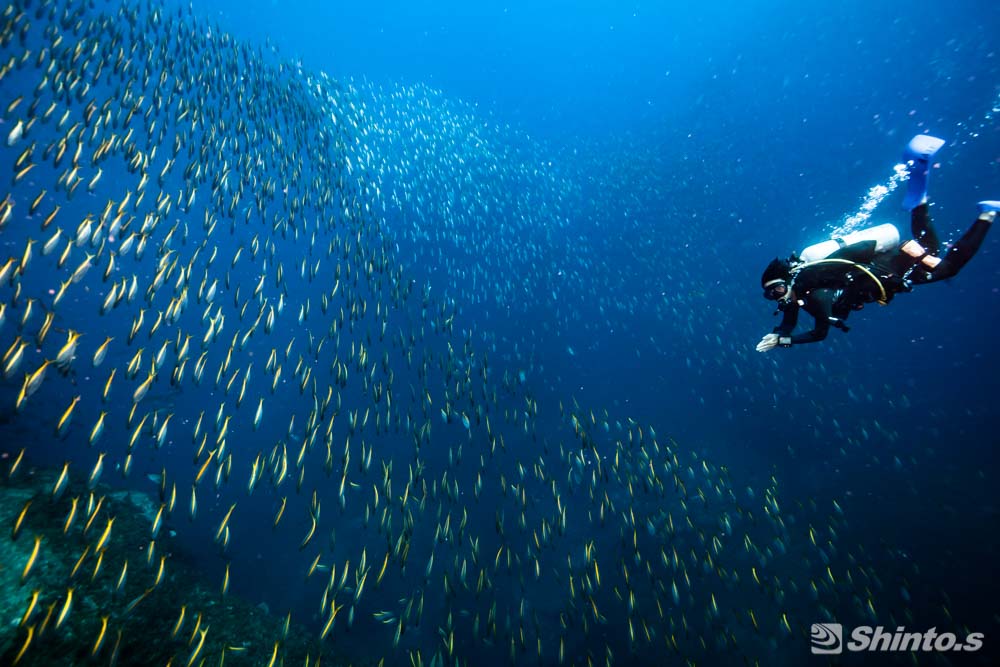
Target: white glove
<point x="768" y="342"/>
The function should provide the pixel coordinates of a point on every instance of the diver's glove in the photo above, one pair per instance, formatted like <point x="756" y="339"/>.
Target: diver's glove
<point x="768" y="342"/>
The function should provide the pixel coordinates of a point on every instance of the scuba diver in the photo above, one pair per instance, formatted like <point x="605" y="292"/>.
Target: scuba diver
<point x="830" y="279"/>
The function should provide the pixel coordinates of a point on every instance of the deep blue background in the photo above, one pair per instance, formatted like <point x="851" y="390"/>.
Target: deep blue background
<point x="608" y="67"/>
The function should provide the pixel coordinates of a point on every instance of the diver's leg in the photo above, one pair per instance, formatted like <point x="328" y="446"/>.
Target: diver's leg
<point x="923" y="230"/>
<point x="966" y="247"/>
<point x="923" y="248"/>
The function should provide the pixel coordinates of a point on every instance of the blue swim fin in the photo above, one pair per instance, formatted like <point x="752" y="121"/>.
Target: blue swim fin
<point x="989" y="206"/>
<point x="918" y="156"/>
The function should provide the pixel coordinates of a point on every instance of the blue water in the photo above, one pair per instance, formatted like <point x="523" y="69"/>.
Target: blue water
<point x="599" y="240"/>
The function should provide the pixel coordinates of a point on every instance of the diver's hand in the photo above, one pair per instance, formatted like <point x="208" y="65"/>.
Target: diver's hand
<point x="768" y="342"/>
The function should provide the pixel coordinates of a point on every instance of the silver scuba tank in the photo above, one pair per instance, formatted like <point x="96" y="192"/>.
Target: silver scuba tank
<point x="886" y="237"/>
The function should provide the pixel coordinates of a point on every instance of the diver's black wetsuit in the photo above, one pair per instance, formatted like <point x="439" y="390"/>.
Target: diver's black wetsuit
<point x="958" y="254"/>
<point x="829" y="291"/>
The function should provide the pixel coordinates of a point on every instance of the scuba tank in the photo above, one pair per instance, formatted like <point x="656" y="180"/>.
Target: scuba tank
<point x="886" y="237"/>
<point x="853" y="267"/>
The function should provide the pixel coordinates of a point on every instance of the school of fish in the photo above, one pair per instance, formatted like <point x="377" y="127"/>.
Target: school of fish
<point x="273" y="292"/>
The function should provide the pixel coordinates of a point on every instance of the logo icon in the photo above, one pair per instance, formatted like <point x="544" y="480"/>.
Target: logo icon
<point x="827" y="638"/>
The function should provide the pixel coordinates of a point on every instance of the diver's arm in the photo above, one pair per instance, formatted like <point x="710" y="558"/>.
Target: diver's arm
<point x="789" y="318"/>
<point x="821" y="308"/>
